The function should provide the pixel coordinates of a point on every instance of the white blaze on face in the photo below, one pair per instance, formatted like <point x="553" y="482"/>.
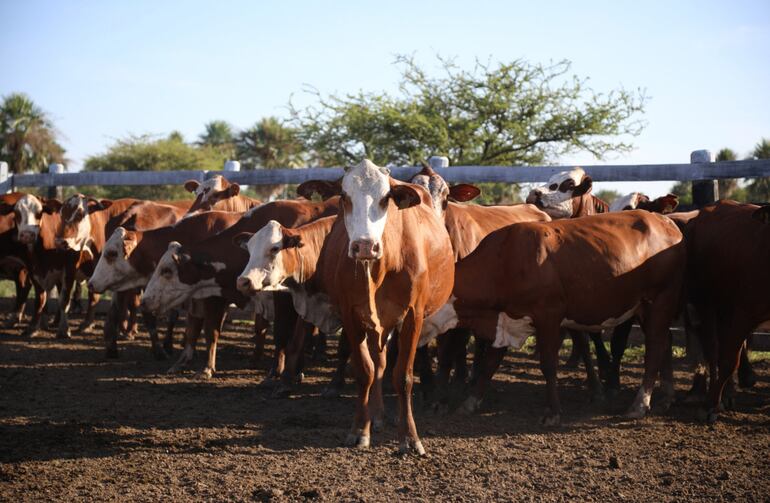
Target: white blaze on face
<point x="113" y="270"/>
<point x="264" y="270"/>
<point x="164" y="290"/>
<point x="209" y="187"/>
<point x="76" y="208"/>
<point x="553" y="198"/>
<point x="366" y="186"/>
<point x="629" y="201"/>
<point x="29" y="212"/>
<point x="438" y="190"/>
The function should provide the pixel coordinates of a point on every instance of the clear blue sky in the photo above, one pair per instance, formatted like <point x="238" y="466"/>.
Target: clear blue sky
<point x="104" y="70"/>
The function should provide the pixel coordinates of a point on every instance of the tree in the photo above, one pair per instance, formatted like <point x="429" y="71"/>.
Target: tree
<point x="219" y="136"/>
<point x="503" y="114"/>
<point x="758" y="190"/>
<point x="727" y="186"/>
<point x="607" y="195"/>
<point x="27" y="135"/>
<point x="269" y="144"/>
<point x="145" y="153"/>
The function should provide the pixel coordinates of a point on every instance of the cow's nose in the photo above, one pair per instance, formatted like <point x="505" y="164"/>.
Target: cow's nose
<point x="244" y="285"/>
<point x="366" y="249"/>
<point x="26" y="237"/>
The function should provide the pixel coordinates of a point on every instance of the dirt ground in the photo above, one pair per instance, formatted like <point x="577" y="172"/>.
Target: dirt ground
<point x="74" y="426"/>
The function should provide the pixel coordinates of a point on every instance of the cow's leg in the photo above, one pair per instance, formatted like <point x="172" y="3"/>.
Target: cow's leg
<point x="667" y="374"/>
<point x="363" y="369"/>
<point x="403" y="379"/>
<point x="603" y="359"/>
<point x="151" y="325"/>
<point x="65" y="297"/>
<point x="584" y="350"/>
<point x="33" y="328"/>
<point x="216" y="310"/>
<point x="334" y="388"/>
<point x="746" y="376"/>
<point x="618" y="344"/>
<point x="491" y="359"/>
<point x="283" y="330"/>
<point x="732" y="334"/>
<point x="168" y="340"/>
<point x="319" y="348"/>
<point x="130" y="327"/>
<point x="22" y="283"/>
<point x="378" y="351"/>
<point x="480" y="347"/>
<point x="294" y="350"/>
<point x="192" y="331"/>
<point x="115" y="317"/>
<point x="575" y="355"/>
<point x="88" y="321"/>
<point x="548" y="344"/>
<point x="696" y="335"/>
<point x="260" y="333"/>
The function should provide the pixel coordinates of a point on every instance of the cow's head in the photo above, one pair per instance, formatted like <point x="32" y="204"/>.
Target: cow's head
<point x="269" y="263"/>
<point x="114" y="270"/>
<point x="440" y="192"/>
<point x="366" y="193"/>
<point x="663" y="204"/>
<point x="180" y="276"/>
<point x="559" y="197"/>
<point x="210" y="192"/>
<point x="75" y="231"/>
<point x="28" y="213"/>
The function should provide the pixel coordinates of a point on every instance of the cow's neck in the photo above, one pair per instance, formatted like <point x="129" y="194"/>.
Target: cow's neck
<point x="313" y="236"/>
<point x="588" y="204"/>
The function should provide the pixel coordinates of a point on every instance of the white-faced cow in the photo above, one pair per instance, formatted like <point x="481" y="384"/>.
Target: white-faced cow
<point x="217" y="193"/>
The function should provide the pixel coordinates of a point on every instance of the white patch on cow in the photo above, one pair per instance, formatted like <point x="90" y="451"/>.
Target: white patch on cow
<point x="317" y="309"/>
<point x="553" y="201"/>
<point x="83" y="233"/>
<point x="438" y="190"/>
<point x="439" y="322"/>
<point x="628" y="201"/>
<point x="29" y="210"/>
<point x="606" y="324"/>
<point x="117" y="274"/>
<point x="209" y="187"/>
<point x="265" y="269"/>
<point x="365" y="185"/>
<point x="512" y="332"/>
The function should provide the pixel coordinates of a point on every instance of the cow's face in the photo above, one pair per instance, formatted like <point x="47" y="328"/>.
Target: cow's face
<point x="179" y="277"/>
<point x="269" y="262"/>
<point x="636" y="200"/>
<point x="440" y="193"/>
<point x="559" y="195"/>
<point x="114" y="271"/>
<point x="367" y="191"/>
<point x="75" y="231"/>
<point x="28" y="214"/>
<point x="211" y="191"/>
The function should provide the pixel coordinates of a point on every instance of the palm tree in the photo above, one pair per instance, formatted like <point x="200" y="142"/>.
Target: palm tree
<point x="759" y="188"/>
<point x="727" y="186"/>
<point x="27" y="135"/>
<point x="219" y="136"/>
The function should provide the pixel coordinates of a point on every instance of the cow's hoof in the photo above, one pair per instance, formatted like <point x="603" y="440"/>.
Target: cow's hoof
<point x="408" y="446"/>
<point x="31" y="332"/>
<point x="358" y="440"/>
<point x="550" y="420"/>
<point x="299" y="378"/>
<point x="728" y="403"/>
<point x="471" y="405"/>
<point x="112" y="353"/>
<point x="281" y="390"/>
<point x="205" y="374"/>
<point x="331" y="392"/>
<point x="85" y="328"/>
<point x="636" y="412"/>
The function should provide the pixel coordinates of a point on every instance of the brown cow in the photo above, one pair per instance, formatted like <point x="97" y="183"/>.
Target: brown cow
<point x="217" y="193"/>
<point x="728" y="264"/>
<point x="208" y="269"/>
<point x="13" y="259"/>
<point x="387" y="262"/>
<point x="532" y="279"/>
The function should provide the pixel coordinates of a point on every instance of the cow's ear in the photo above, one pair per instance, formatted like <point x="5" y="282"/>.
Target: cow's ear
<point x="404" y="196"/>
<point x="6" y="208"/>
<point x="233" y="190"/>
<point x="94" y="205"/>
<point x="323" y="188"/>
<point x="291" y="241"/>
<point x="241" y="239"/>
<point x="463" y="192"/>
<point x="130" y="224"/>
<point x="668" y="203"/>
<point x="762" y="214"/>
<point x="585" y="186"/>
<point x="191" y="185"/>
<point x="51" y="206"/>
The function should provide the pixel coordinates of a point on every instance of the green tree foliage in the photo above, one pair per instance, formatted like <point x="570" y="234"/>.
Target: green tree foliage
<point x="269" y="144"/>
<point x="219" y="135"/>
<point x="503" y="114"/>
<point x="728" y="187"/>
<point x="758" y="189"/>
<point x="27" y="136"/>
<point x="607" y="195"/>
<point x="145" y="153"/>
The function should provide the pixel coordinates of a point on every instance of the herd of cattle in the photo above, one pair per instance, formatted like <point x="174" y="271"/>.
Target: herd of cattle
<point x="396" y="265"/>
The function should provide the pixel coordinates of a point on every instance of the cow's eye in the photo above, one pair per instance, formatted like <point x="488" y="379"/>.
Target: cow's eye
<point x="275" y="249"/>
<point x="166" y="272"/>
<point x="553" y="186"/>
<point x="39" y="215"/>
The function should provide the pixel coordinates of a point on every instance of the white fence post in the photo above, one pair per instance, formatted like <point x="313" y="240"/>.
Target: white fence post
<point x="703" y="191"/>
<point x="232" y="166"/>
<point x="438" y="161"/>
<point x="53" y="190"/>
<point x="4" y="173"/>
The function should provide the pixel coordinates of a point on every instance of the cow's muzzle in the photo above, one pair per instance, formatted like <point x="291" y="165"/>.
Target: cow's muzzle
<point x="245" y="285"/>
<point x="365" y="249"/>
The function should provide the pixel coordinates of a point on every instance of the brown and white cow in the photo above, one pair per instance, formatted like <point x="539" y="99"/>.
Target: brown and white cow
<point x="728" y="267"/>
<point x="532" y="279"/>
<point x="387" y="263"/>
<point x="208" y="269"/>
<point x="638" y="201"/>
<point x="13" y="259"/>
<point x="217" y="193"/>
<point x="567" y="195"/>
